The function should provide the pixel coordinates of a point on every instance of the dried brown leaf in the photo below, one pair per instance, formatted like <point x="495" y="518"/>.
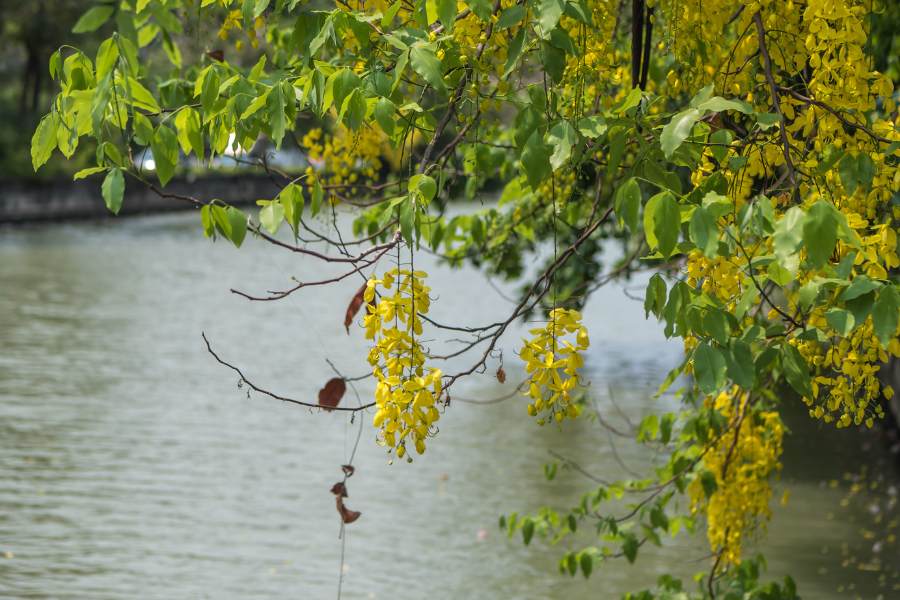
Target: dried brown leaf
<point x="355" y="304"/>
<point x="347" y="515"/>
<point x="330" y="395"/>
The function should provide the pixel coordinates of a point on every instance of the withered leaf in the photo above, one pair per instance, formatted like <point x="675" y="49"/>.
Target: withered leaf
<point x="354" y="307"/>
<point x="330" y="395"/>
<point x="217" y="55"/>
<point x="501" y="375"/>
<point x="347" y="515"/>
<point x="348" y="470"/>
<point x="339" y="489"/>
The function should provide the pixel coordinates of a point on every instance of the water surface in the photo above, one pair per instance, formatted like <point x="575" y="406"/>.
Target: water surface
<point x="133" y="466"/>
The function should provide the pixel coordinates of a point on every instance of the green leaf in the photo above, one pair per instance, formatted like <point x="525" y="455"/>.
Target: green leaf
<point x="715" y="324"/>
<point x="165" y="153"/>
<point x="561" y="138"/>
<point x="292" y="204"/>
<point x="318" y="195"/>
<point x="820" y="231"/>
<point x="704" y="232"/>
<point x="553" y="60"/>
<point x="390" y="13"/>
<point x="271" y="215"/>
<point x="254" y="107"/>
<point x="655" y="297"/>
<point x="708" y="482"/>
<point x="662" y="223"/>
<point x="767" y="120"/>
<point x="238" y="222"/>
<point x="548" y="13"/>
<point x="481" y="8"/>
<point x="516" y="45"/>
<point x="630" y="547"/>
<point x="424" y="186"/>
<point x="592" y="127"/>
<point x="446" y="12"/>
<point x="93" y="19"/>
<point x="796" y="371"/>
<point x="407" y="220"/>
<point x="677" y="130"/>
<point x="630" y="101"/>
<point x="107" y="55"/>
<point x="628" y="204"/>
<point x="865" y="170"/>
<point x="384" y="115"/>
<point x="709" y="368"/>
<point x="536" y="160"/>
<point x="426" y="64"/>
<point x="885" y="314"/>
<point x="587" y="564"/>
<point x="209" y="91"/>
<point x="206" y="219"/>
<point x="259" y="7"/>
<point x="509" y="17"/>
<point x="353" y="110"/>
<point x="43" y="142"/>
<point x="840" y="320"/>
<point x="187" y="122"/>
<point x="860" y="285"/>
<point x="113" y="190"/>
<point x="527" y="531"/>
<point x="143" y="129"/>
<point x="719" y="104"/>
<point x="788" y="237"/>
<point x="88" y="172"/>
<point x="740" y="366"/>
<point x="277" y="120"/>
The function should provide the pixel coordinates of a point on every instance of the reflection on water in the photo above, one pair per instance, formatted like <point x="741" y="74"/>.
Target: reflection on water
<point x="131" y="465"/>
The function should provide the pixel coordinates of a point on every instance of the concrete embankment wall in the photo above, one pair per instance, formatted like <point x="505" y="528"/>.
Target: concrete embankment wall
<point x="30" y="201"/>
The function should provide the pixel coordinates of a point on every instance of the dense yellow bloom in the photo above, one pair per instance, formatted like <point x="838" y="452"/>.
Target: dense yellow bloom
<point x="553" y="360"/>
<point x="741" y="461"/>
<point x="345" y="157"/>
<point x="406" y="392"/>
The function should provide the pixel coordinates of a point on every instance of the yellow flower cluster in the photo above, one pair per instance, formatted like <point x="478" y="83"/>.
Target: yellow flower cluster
<point x="846" y="388"/>
<point x="234" y="22"/>
<point x="405" y="391"/>
<point x="345" y="157"/>
<point x="553" y="362"/>
<point x="720" y="276"/>
<point x="827" y="39"/>
<point x="742" y="462"/>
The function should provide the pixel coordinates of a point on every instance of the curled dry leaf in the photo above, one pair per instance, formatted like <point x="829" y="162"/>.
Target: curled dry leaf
<point x="216" y="55"/>
<point x="501" y="375"/>
<point x="348" y="470"/>
<point x="339" y="489"/>
<point x="347" y="515"/>
<point x="330" y="395"/>
<point x="355" y="304"/>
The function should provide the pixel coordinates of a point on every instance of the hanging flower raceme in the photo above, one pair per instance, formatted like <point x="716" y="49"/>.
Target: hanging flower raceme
<point x="734" y="494"/>
<point x="553" y="361"/>
<point x="406" y="391"/>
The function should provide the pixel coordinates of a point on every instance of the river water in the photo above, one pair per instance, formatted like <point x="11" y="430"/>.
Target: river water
<point x="132" y="465"/>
